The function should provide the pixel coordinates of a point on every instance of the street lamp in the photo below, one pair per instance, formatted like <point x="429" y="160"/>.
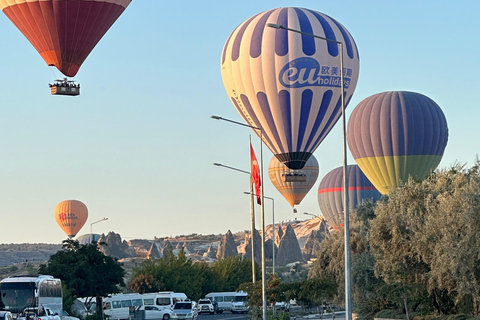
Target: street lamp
<point x="310" y="214"/>
<point x="273" y="229"/>
<point x="252" y="214"/>
<point x="348" y="291"/>
<point x="91" y="228"/>
<point x="262" y="211"/>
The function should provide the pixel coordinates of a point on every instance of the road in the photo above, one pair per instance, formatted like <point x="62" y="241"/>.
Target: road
<point x="229" y="316"/>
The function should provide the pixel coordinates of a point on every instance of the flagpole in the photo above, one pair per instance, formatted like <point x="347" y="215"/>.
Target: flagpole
<point x="252" y="215"/>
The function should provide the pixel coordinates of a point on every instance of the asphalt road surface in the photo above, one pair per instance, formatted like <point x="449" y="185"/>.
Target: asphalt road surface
<point x="230" y="316"/>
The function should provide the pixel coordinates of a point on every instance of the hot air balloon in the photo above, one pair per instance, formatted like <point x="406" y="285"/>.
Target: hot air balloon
<point x="286" y="83"/>
<point x="396" y="135"/>
<point x="293" y="184"/>
<point x="330" y="193"/>
<point x="64" y="32"/>
<point x="71" y="215"/>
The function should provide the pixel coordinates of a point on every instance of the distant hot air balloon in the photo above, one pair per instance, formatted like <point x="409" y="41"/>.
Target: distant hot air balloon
<point x="286" y="83"/>
<point x="64" y="32"/>
<point x="293" y="184"/>
<point x="396" y="135"/>
<point x="331" y="190"/>
<point x="71" y="215"/>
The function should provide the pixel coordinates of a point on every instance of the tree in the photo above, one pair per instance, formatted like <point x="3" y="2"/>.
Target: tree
<point x="427" y="233"/>
<point x="85" y="270"/>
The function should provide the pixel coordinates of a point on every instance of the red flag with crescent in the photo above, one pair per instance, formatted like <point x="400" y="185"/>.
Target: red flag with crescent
<point x="255" y="174"/>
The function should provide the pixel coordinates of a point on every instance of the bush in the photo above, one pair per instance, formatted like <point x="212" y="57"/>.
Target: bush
<point x="390" y="314"/>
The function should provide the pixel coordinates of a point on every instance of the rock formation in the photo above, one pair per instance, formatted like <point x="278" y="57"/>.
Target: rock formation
<point x="288" y="250"/>
<point x="278" y="236"/>
<point x="247" y="248"/>
<point x="112" y="245"/>
<point x="154" y="253"/>
<point x="167" y="247"/>
<point x="211" y="253"/>
<point x="314" y="240"/>
<point x="269" y="247"/>
<point x="227" y="247"/>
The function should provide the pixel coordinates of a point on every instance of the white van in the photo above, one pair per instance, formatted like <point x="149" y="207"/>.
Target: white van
<point x="240" y="304"/>
<point x="117" y="306"/>
<point x="223" y="299"/>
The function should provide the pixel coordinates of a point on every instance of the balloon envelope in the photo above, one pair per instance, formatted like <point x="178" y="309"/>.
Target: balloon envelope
<point x="396" y="135"/>
<point x="288" y="84"/>
<point x="64" y="32"/>
<point x="331" y="192"/>
<point x="293" y="184"/>
<point x="71" y="215"/>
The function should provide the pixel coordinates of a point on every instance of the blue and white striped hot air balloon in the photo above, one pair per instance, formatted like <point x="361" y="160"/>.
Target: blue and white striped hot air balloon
<point x="286" y="83"/>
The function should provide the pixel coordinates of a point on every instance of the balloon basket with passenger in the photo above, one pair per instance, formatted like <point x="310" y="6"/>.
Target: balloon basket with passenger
<point x="65" y="87"/>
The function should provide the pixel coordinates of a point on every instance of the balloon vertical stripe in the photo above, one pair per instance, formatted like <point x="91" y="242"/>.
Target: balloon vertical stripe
<point x="267" y="113"/>
<point x="238" y="39"/>
<point x="305" y="106"/>
<point x="308" y="42"/>
<point x="281" y="35"/>
<point x="286" y="109"/>
<point x="257" y="37"/>
<point x="329" y="34"/>
<point x="346" y="41"/>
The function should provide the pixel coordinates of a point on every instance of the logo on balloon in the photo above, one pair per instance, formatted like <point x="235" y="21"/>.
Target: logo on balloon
<point x="65" y="216"/>
<point x="305" y="72"/>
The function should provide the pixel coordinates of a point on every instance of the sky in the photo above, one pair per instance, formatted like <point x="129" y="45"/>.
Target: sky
<point x="138" y="145"/>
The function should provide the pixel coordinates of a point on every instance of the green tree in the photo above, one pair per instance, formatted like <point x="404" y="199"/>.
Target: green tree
<point x="85" y="270"/>
<point x="427" y="233"/>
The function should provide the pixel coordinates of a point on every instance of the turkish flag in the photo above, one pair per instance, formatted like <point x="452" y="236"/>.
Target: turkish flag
<point x="255" y="175"/>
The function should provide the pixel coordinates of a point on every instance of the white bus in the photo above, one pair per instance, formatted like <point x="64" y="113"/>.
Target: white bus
<point x="117" y="306"/>
<point x="223" y="299"/>
<point x="20" y="292"/>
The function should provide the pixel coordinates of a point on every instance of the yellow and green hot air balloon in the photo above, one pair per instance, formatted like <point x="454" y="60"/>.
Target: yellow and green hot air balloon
<point x="396" y="135"/>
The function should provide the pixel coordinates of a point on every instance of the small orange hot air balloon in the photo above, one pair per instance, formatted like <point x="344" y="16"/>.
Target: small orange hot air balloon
<point x="71" y="215"/>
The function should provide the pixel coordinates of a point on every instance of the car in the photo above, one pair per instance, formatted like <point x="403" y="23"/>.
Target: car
<point x="293" y="307"/>
<point x="6" y="315"/>
<point x="206" y="305"/>
<point x="184" y="311"/>
<point x="156" y="313"/>
<point x="66" y="316"/>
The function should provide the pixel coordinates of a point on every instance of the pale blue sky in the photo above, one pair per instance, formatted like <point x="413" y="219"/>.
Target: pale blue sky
<point x="138" y="145"/>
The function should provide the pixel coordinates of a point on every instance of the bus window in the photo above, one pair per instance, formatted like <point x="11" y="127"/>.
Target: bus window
<point x="148" y="302"/>
<point x="137" y="302"/>
<point x="163" y="301"/>
<point x="228" y="298"/>
<point x="126" y="303"/>
<point x="218" y="299"/>
<point x="116" y="304"/>
<point x="107" y="306"/>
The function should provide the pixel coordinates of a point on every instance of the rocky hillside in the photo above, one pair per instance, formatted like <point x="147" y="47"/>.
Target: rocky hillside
<point x="294" y="241"/>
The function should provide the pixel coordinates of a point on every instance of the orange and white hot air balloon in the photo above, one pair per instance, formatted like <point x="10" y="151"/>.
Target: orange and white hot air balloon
<point x="71" y="215"/>
<point x="293" y="184"/>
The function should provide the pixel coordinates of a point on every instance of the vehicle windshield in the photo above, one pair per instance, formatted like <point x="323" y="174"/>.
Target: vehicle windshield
<point x="17" y="296"/>
<point x="204" y="302"/>
<point x="240" y="298"/>
<point x="183" y="305"/>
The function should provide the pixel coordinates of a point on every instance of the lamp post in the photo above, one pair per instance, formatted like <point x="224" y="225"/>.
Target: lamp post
<point x="91" y="228"/>
<point x="252" y="214"/>
<point x="262" y="211"/>
<point x="348" y="291"/>
<point x="310" y="214"/>
<point x="273" y="229"/>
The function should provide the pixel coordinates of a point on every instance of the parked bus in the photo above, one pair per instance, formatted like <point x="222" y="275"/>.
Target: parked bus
<point x="20" y="292"/>
<point x="117" y="306"/>
<point x="223" y="299"/>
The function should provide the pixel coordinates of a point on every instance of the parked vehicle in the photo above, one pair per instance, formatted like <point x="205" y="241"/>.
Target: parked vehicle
<point x="205" y="305"/>
<point x="21" y="292"/>
<point x="156" y="313"/>
<point x="293" y="307"/>
<point x="6" y="315"/>
<point x="184" y="311"/>
<point x="66" y="316"/>
<point x="39" y="313"/>
<point x="240" y="304"/>
<point x="223" y="299"/>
